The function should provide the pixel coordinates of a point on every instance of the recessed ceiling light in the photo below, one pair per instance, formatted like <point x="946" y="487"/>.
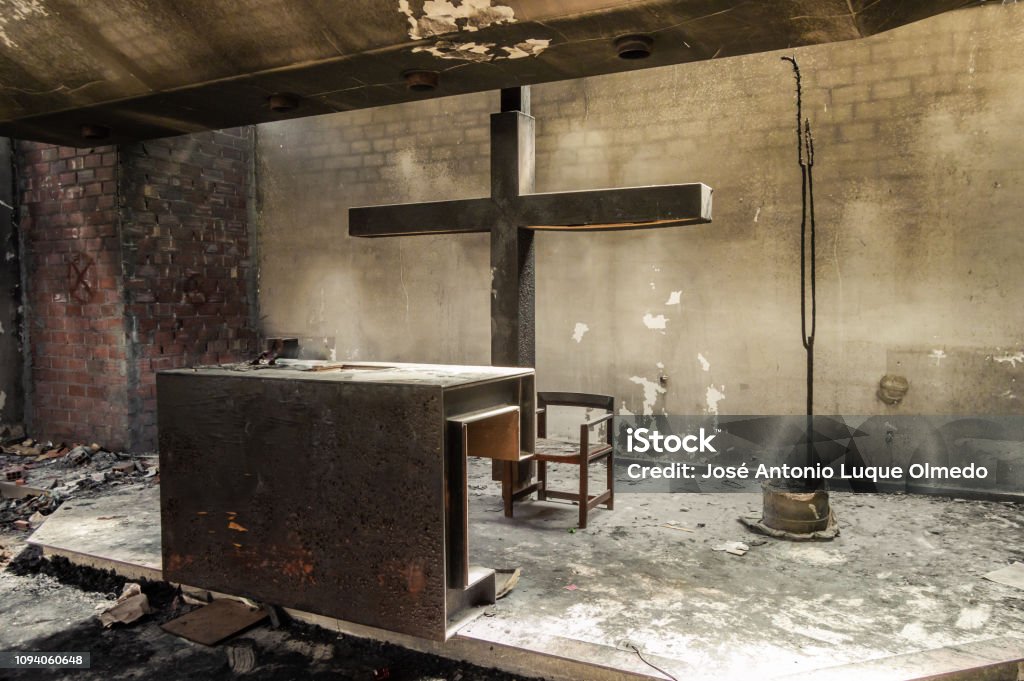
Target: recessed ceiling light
<point x="421" y="81"/>
<point x="283" y="102"/>
<point x="91" y="131"/>
<point x="634" y="46"/>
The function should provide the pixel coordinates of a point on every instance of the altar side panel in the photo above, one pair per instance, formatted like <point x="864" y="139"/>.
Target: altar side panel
<point x="323" y="496"/>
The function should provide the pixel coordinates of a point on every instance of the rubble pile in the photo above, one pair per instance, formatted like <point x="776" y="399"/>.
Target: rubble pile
<point x="37" y="477"/>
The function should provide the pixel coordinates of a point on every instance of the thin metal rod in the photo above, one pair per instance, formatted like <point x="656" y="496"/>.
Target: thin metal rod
<point x="808" y="250"/>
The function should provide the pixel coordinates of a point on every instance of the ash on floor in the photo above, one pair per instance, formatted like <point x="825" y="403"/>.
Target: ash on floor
<point x="42" y="612"/>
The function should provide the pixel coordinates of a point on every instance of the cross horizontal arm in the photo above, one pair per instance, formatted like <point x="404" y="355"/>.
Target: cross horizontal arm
<point x="433" y="217"/>
<point x="628" y="208"/>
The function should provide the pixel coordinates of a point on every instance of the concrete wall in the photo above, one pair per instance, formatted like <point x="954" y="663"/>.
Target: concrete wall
<point x="920" y="189"/>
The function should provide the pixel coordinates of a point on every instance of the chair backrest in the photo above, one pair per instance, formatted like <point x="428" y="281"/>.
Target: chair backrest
<point x="583" y="400"/>
<point x="586" y="400"/>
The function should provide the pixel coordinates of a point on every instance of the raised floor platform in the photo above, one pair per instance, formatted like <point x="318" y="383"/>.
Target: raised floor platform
<point x="900" y="595"/>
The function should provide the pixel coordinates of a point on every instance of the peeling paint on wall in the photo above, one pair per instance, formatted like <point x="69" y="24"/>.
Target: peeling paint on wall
<point x="712" y="396"/>
<point x="938" y="356"/>
<point x="674" y="298"/>
<point x="3" y="400"/>
<point x="651" y="392"/>
<point x="579" y="331"/>
<point x="704" y="363"/>
<point x="656" y="322"/>
<point x="1011" y="359"/>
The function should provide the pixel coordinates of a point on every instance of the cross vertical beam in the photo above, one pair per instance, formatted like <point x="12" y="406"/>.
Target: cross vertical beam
<point x="514" y="211"/>
<point x="513" y="287"/>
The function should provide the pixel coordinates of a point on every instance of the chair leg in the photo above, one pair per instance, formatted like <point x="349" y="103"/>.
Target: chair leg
<point x="611" y="481"/>
<point x="584" y="491"/>
<point x="506" y="487"/>
<point x="542" y="480"/>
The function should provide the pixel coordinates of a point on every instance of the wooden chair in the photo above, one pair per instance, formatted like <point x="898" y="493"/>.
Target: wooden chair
<point x="581" y="453"/>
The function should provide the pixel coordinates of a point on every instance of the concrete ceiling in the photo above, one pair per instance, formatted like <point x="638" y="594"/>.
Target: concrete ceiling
<point x="139" y="69"/>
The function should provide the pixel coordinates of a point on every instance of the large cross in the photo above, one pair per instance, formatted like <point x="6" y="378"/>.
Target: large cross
<point x="513" y="212"/>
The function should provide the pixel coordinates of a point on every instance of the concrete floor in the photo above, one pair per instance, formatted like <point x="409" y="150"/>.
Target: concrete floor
<point x="905" y="576"/>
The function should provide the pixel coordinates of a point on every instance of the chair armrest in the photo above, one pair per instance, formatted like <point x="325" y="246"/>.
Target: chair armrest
<point x="595" y="422"/>
<point x="585" y="432"/>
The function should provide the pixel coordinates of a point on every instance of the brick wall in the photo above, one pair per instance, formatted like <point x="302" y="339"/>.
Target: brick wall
<point x="186" y="259"/>
<point x="159" y="231"/>
<point x="12" y="392"/>
<point x="75" y="310"/>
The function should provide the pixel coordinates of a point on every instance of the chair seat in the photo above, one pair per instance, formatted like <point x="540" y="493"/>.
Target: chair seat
<point x="551" y="449"/>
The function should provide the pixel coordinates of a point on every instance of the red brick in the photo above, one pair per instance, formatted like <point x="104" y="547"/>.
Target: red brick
<point x="156" y="220"/>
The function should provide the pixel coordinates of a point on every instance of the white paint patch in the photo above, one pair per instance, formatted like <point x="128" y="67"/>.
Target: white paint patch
<point x="787" y="623"/>
<point x="651" y="392"/>
<point x="674" y="298"/>
<point x="915" y="632"/>
<point x="814" y="555"/>
<point x="1011" y="359"/>
<point x="530" y="47"/>
<point x="938" y="356"/>
<point x="973" y="618"/>
<point x="9" y="256"/>
<point x="444" y="49"/>
<point x="443" y="16"/>
<point x="757" y="214"/>
<point x="3" y="400"/>
<point x="656" y="322"/>
<point x="704" y="363"/>
<point x="712" y="396"/>
<point x="623" y="411"/>
<point x="579" y="331"/>
<point x="1" y="328"/>
<point x="18" y="10"/>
